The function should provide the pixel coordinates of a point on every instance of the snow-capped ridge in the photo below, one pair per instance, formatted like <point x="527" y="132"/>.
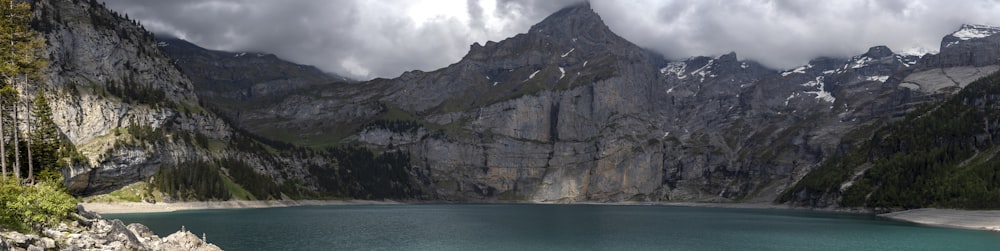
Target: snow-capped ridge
<point x="971" y="31"/>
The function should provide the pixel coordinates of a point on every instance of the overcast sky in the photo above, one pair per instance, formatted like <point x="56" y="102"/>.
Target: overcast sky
<point x="364" y="39"/>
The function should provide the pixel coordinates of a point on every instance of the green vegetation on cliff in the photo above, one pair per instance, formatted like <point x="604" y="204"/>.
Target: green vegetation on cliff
<point x="361" y="173"/>
<point x="196" y="180"/>
<point x="941" y="155"/>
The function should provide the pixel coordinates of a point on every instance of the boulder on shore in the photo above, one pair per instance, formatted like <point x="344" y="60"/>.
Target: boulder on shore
<point x="90" y="231"/>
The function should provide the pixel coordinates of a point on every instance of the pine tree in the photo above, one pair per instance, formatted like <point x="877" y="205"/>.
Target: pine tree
<point x="21" y="58"/>
<point x="45" y="138"/>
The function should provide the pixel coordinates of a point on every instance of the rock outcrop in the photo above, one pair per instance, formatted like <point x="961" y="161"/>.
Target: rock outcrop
<point x="92" y="232"/>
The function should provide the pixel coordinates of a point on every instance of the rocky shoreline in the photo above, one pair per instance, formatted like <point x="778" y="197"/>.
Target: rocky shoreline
<point x="976" y="220"/>
<point x="142" y="207"/>
<point x="90" y="231"/>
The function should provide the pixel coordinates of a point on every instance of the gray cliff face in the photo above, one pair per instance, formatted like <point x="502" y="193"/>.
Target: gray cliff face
<point x="107" y="81"/>
<point x="571" y="112"/>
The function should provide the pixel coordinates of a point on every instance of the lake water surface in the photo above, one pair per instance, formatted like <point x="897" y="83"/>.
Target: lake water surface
<point x="555" y="227"/>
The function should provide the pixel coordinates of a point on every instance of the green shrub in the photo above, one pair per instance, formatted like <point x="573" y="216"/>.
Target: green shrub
<point x="34" y="206"/>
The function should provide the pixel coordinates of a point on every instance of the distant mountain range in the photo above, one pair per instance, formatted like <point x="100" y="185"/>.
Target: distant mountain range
<point x="230" y="81"/>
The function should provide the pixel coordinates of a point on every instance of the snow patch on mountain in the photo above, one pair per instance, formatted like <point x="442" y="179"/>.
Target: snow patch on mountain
<point x="704" y="71"/>
<point x="907" y="61"/>
<point x="675" y="68"/>
<point x="532" y="75"/>
<point x="790" y="97"/>
<point x="821" y="93"/>
<point x="877" y="78"/>
<point x="800" y="70"/>
<point x="861" y="62"/>
<point x="975" y="31"/>
<point x="568" y="52"/>
<point x="917" y="51"/>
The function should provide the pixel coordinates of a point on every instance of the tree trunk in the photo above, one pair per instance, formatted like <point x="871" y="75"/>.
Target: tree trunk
<point x="31" y="165"/>
<point x="17" y="167"/>
<point x="17" y="148"/>
<point x="3" y="141"/>
<point x="3" y="134"/>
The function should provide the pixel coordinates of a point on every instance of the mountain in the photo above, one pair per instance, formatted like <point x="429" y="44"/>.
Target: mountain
<point x="569" y="111"/>
<point x="134" y="117"/>
<point x="231" y="81"/>
<point x="117" y="98"/>
<point x="566" y="112"/>
<point x="940" y="155"/>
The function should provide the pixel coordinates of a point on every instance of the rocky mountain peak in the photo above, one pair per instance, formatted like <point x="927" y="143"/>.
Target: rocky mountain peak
<point x="880" y="51"/>
<point x="573" y="32"/>
<point x="570" y="47"/>
<point x="728" y="58"/>
<point x="970" y="45"/>
<point x="968" y="32"/>
<point x="574" y="21"/>
<point x="972" y="31"/>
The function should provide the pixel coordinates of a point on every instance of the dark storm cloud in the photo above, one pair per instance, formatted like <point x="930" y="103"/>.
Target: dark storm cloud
<point x="366" y="39"/>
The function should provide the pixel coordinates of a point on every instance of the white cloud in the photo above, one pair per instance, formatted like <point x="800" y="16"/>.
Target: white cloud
<point x="367" y="39"/>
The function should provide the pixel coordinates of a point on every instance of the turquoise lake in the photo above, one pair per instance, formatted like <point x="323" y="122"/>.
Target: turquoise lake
<point x="482" y="227"/>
